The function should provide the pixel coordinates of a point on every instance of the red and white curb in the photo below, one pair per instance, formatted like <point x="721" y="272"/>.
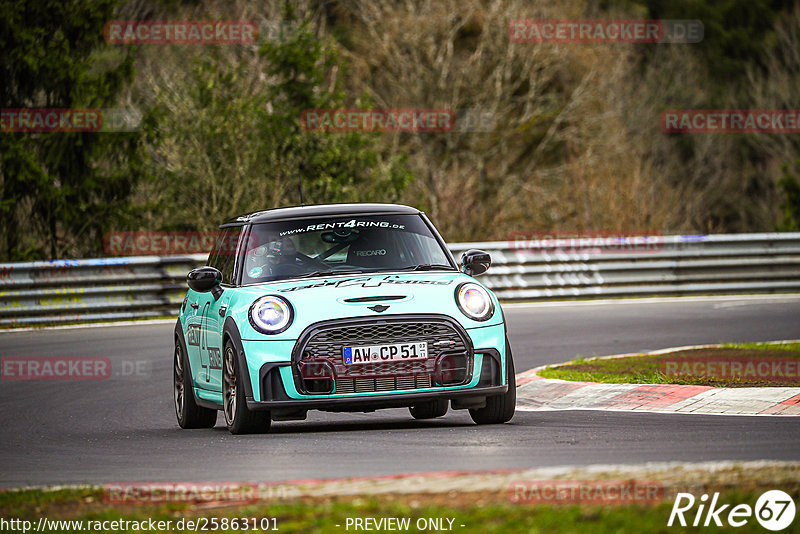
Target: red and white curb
<point x="535" y="393"/>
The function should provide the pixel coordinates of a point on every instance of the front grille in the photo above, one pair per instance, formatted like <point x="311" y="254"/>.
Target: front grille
<point x="326" y="342"/>
<point x="371" y="385"/>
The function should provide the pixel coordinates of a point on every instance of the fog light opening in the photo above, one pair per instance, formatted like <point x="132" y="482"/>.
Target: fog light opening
<point x="318" y="376"/>
<point x="451" y="369"/>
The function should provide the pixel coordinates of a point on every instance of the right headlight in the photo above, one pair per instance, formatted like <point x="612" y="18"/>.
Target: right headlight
<point x="474" y="301"/>
<point x="271" y="314"/>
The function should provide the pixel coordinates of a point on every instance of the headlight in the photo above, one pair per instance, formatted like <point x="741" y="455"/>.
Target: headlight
<point x="474" y="301"/>
<point x="271" y="314"/>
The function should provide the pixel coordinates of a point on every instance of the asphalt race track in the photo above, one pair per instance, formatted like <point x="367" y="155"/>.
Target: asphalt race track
<point x="124" y="429"/>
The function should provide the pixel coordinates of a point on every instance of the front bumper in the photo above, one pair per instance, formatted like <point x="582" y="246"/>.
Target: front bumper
<point x="273" y="381"/>
<point x="373" y="402"/>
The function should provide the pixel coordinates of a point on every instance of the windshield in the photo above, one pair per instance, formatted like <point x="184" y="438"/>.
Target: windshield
<point x="330" y="245"/>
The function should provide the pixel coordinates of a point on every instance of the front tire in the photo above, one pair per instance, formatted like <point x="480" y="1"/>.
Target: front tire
<point x="429" y="410"/>
<point x="189" y="414"/>
<point x="500" y="408"/>
<point x="239" y="419"/>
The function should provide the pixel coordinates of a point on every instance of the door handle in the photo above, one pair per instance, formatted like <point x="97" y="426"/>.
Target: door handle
<point x="195" y="305"/>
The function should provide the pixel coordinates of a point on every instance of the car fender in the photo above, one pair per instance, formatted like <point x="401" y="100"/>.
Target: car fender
<point x="187" y="361"/>
<point x="230" y="332"/>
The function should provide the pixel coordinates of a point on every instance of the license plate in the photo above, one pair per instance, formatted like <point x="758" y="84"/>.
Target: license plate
<point x="385" y="353"/>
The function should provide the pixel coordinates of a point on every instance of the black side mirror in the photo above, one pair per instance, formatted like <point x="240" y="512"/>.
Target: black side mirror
<point x="475" y="262"/>
<point x="204" y="279"/>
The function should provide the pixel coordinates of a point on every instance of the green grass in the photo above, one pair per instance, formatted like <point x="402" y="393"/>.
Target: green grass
<point x="788" y="347"/>
<point x="322" y="516"/>
<point x="650" y="369"/>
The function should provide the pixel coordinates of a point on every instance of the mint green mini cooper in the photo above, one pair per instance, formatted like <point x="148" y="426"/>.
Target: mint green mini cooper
<point x="340" y="308"/>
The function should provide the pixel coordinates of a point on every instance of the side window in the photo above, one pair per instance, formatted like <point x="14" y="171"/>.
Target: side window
<point x="223" y="257"/>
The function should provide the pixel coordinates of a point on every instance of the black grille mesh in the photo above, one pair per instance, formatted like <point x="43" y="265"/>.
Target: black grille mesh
<point x="329" y="342"/>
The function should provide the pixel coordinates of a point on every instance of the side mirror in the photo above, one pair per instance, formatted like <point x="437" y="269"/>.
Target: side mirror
<point x="205" y="279"/>
<point x="475" y="262"/>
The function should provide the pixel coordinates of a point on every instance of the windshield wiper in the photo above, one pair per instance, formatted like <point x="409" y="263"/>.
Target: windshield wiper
<point x="325" y="273"/>
<point x="422" y="267"/>
<point x="430" y="267"/>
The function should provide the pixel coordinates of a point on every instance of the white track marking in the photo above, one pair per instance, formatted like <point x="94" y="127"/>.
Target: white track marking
<point x="742" y="300"/>
<point x="143" y="322"/>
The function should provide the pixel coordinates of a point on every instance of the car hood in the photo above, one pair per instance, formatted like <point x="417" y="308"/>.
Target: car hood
<point x="375" y="295"/>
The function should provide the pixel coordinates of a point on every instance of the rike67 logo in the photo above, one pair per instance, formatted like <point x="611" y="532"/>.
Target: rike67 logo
<point x="774" y="510"/>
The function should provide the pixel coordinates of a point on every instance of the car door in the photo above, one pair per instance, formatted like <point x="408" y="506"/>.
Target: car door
<point x="209" y="352"/>
<point x="194" y="333"/>
<point x="213" y="310"/>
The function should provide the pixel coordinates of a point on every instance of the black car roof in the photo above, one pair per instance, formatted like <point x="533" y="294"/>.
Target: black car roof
<point x="319" y="210"/>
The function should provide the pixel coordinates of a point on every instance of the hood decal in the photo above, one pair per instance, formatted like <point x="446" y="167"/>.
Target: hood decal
<point x="368" y="281"/>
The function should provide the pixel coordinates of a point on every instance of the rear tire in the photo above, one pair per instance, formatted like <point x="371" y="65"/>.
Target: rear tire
<point x="500" y="408"/>
<point x="239" y="419"/>
<point x="189" y="414"/>
<point x="429" y="410"/>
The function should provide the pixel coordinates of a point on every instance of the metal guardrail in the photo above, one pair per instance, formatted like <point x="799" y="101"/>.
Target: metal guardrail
<point x="149" y="286"/>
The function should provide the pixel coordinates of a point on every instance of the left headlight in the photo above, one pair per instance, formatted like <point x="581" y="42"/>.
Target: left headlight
<point x="474" y="301"/>
<point x="271" y="314"/>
